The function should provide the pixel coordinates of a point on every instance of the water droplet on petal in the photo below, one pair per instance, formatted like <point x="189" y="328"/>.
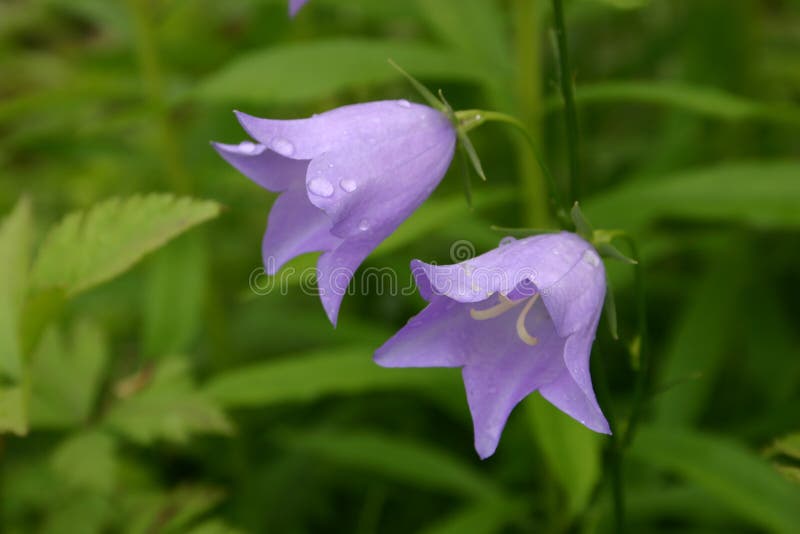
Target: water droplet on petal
<point x="363" y="225"/>
<point x="591" y="258"/>
<point x="404" y="103"/>
<point x="320" y="187"/>
<point x="348" y="185"/>
<point x="556" y="252"/>
<point x="282" y="146"/>
<point x="248" y="147"/>
<point x="506" y="241"/>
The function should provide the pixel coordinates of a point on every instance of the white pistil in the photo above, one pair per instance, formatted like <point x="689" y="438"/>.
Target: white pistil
<point x="521" y="331"/>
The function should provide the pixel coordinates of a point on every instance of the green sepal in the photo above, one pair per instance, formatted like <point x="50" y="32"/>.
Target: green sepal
<point x="582" y="226"/>
<point x="465" y="178"/>
<point x="607" y="250"/>
<point x="423" y="91"/>
<point x="610" y="309"/>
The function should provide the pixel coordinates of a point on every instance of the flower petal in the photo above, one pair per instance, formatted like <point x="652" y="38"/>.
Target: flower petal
<point x="345" y="127"/>
<point x="572" y="392"/>
<point x="373" y="188"/>
<point x="432" y="338"/>
<point x="295" y="5"/>
<point x="266" y="168"/>
<point x="564" y="268"/>
<point x="501" y="370"/>
<point x="335" y="269"/>
<point x="295" y="227"/>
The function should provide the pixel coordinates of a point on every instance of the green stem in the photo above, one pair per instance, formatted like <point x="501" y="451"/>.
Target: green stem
<point x="526" y="102"/>
<point x="147" y="55"/>
<point x="568" y="94"/>
<point x="472" y="118"/>
<point x="643" y="377"/>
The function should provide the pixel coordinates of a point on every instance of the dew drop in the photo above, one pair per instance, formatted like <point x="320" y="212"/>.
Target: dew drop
<point x="556" y="252"/>
<point x="320" y="187"/>
<point x="248" y="147"/>
<point x="404" y="103"/>
<point x="506" y="241"/>
<point x="363" y="225"/>
<point x="591" y="258"/>
<point x="348" y="185"/>
<point x="282" y="146"/>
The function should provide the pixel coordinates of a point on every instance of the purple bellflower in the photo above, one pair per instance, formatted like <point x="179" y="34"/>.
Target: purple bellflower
<point x="295" y="5"/>
<point x="347" y="178"/>
<point x="517" y="319"/>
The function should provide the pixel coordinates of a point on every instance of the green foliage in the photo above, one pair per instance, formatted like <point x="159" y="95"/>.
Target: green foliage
<point x="303" y="72"/>
<point x="15" y="238"/>
<point x="168" y="406"/>
<point x="307" y="377"/>
<point x="762" y="195"/>
<point x="175" y="399"/>
<point x="93" y="246"/>
<point x="572" y="452"/>
<point x="392" y="456"/>
<point x="744" y="483"/>
<point x="66" y="377"/>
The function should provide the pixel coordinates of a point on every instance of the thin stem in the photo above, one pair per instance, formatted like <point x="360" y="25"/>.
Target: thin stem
<point x="643" y="377"/>
<point x="474" y="118"/>
<point x="526" y="102"/>
<point x="147" y="55"/>
<point x="568" y="94"/>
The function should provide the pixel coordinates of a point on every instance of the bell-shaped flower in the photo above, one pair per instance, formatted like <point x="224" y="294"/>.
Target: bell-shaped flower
<point x="347" y="178"/>
<point x="518" y="319"/>
<point x="295" y="5"/>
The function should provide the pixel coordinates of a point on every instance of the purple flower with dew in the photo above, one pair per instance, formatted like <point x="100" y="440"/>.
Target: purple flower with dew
<point x="517" y="319"/>
<point x="347" y="178"/>
<point x="295" y="5"/>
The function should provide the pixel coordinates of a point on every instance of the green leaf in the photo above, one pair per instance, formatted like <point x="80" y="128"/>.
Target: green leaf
<point x="174" y="513"/>
<point x="745" y="483"/>
<point x="475" y="28"/>
<point x="169" y="407"/>
<point x="483" y="517"/>
<point x="66" y="378"/>
<point x="702" y="100"/>
<point x="397" y="458"/>
<point x="87" y="460"/>
<point x="15" y="242"/>
<point x="699" y="343"/>
<point x="307" y="377"/>
<point x="761" y="194"/>
<point x="93" y="246"/>
<point x="14" y="409"/>
<point x="302" y="72"/>
<point x="173" y="296"/>
<point x="624" y="4"/>
<point x="788" y="445"/>
<point x="571" y="451"/>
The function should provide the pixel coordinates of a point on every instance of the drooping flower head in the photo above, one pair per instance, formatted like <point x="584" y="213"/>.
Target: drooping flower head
<point x="518" y="319"/>
<point x="347" y="178"/>
<point x="295" y="5"/>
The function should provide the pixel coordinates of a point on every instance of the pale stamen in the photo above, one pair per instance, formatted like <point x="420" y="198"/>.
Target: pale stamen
<point x="521" y="331"/>
<point x="502" y="307"/>
<point x="495" y="311"/>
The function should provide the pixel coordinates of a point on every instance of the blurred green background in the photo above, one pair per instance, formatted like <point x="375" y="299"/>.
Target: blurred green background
<point x="145" y="388"/>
